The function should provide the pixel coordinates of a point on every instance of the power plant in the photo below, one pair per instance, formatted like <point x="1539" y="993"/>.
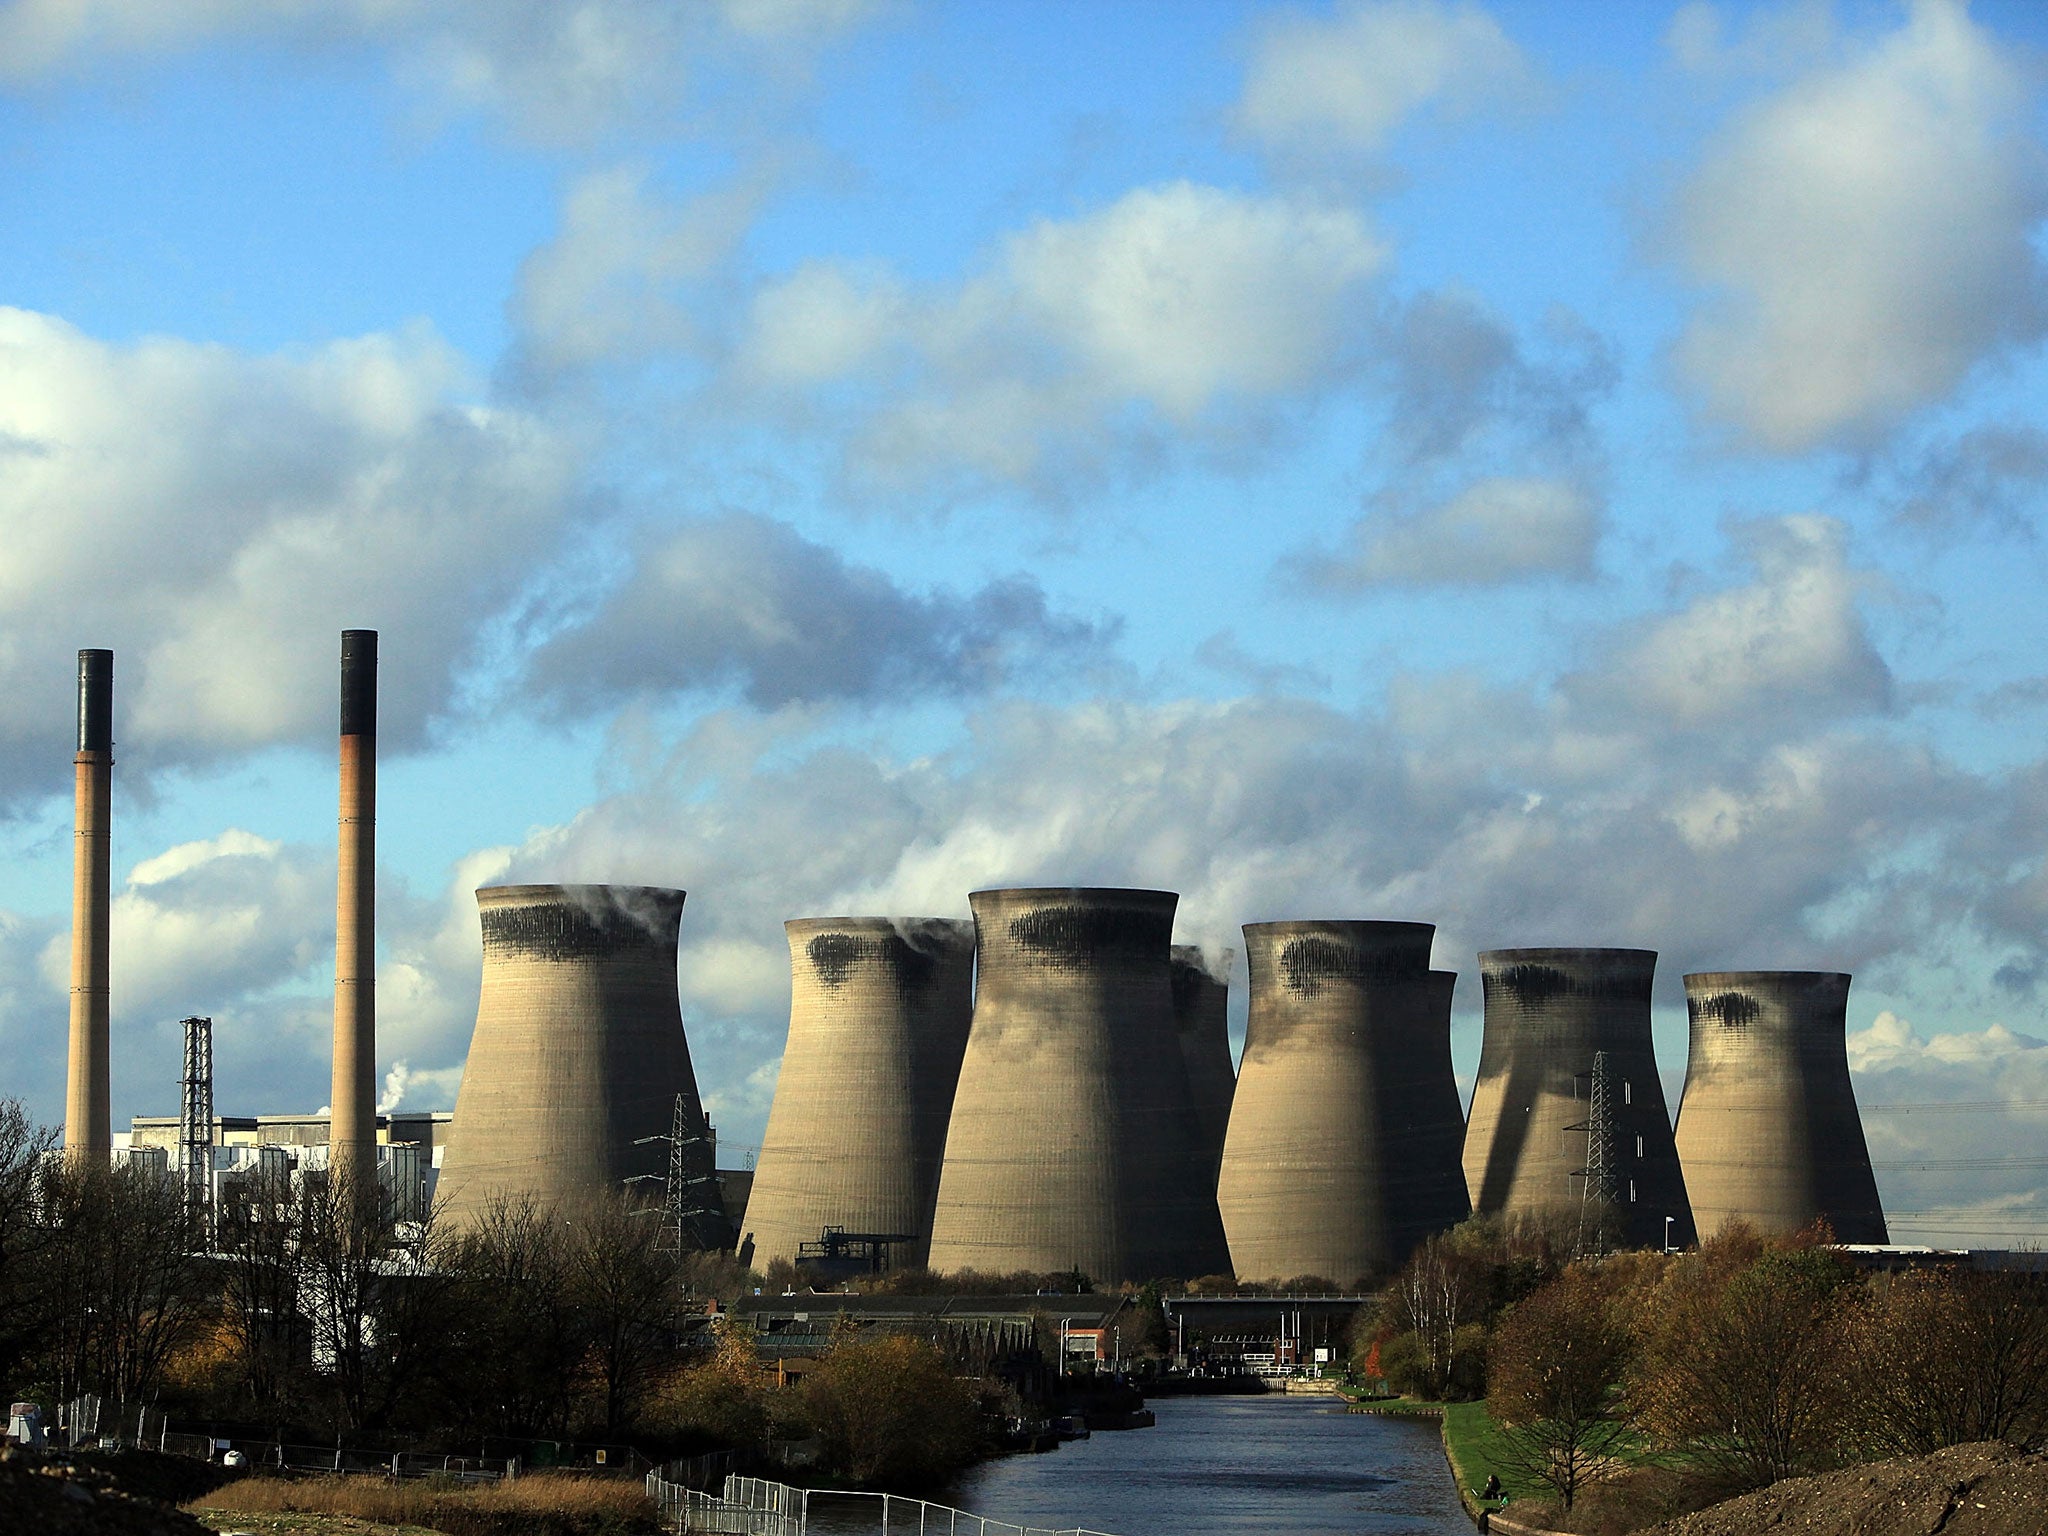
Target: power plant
<point x="578" y="1073"/>
<point x="1768" y="1130"/>
<point x="354" y="1145"/>
<point x="1073" y="1142"/>
<point x="1201" y="1018"/>
<point x="1049" y="1089"/>
<point x="1568" y="1115"/>
<point x="1343" y="1150"/>
<point x="878" y="1019"/>
<point x="88" y="1112"/>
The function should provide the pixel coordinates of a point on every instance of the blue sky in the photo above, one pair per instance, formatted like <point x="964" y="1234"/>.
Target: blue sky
<point x="1573" y="474"/>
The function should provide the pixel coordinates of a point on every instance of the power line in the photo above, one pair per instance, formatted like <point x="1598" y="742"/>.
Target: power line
<point x="1955" y="1106"/>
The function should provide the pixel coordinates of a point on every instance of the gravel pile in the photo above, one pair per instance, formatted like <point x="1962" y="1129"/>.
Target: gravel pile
<point x="47" y="1494"/>
<point x="1966" y="1490"/>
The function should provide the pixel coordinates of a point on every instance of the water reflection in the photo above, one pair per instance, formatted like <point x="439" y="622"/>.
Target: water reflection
<point x="1220" y="1466"/>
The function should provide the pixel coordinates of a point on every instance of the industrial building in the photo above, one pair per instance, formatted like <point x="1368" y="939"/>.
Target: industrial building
<point x="1201" y="1018"/>
<point x="578" y="1078"/>
<point x="1768" y="1129"/>
<point x="1568" y="1116"/>
<point x="1344" y="1140"/>
<point x="1073" y="1142"/>
<point x="878" y="1019"/>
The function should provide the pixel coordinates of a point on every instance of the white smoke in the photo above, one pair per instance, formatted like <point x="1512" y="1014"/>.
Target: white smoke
<point x="394" y="1086"/>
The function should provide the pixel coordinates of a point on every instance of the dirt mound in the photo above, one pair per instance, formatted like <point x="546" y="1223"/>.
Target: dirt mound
<point x="48" y="1494"/>
<point x="154" y="1475"/>
<point x="1966" y="1490"/>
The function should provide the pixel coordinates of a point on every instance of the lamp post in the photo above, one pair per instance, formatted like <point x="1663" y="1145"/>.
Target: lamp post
<point x="1667" y="1232"/>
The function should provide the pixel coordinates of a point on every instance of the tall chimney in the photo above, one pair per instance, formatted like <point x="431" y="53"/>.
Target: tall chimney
<point x="88" y="1121"/>
<point x="352" y="1136"/>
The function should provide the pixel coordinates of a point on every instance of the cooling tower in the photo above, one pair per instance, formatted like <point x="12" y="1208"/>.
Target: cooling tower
<point x="1201" y="1005"/>
<point x="88" y="1122"/>
<point x="1539" y="1131"/>
<point x="1345" y="1133"/>
<point x="578" y="1052"/>
<point x="1073" y="1141"/>
<point x="878" y="1016"/>
<point x="1768" y="1130"/>
<point x="354" y="1130"/>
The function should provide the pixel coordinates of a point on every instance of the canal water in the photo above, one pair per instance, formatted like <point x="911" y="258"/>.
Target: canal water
<point x="1233" y="1466"/>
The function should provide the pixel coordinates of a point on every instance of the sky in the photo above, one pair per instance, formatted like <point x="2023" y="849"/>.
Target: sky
<point x="1573" y="474"/>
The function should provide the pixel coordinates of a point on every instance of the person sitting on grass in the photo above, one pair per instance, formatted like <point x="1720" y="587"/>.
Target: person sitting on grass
<point x="1492" y="1488"/>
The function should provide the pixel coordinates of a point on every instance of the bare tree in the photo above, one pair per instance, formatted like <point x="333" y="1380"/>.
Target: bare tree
<point x="26" y="1301"/>
<point x="625" y="1290"/>
<point x="1554" y="1382"/>
<point x="126" y="1291"/>
<point x="520" y="1343"/>
<point x="257" y="1244"/>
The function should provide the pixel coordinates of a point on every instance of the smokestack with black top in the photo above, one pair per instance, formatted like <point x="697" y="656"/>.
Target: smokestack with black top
<point x="88" y="1122"/>
<point x="352" y="1134"/>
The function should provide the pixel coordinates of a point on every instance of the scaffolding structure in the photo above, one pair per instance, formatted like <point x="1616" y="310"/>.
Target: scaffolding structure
<point x="195" y="1127"/>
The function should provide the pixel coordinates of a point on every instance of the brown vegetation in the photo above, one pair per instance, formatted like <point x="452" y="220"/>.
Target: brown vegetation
<point x="538" y="1504"/>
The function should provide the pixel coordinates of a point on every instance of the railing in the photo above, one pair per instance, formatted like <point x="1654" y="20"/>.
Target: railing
<point x="753" y="1506"/>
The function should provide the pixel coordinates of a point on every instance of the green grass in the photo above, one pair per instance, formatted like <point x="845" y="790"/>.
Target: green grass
<point x="1476" y="1449"/>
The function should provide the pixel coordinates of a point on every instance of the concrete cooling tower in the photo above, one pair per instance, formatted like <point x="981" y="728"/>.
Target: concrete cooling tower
<point x="578" y="1052"/>
<point x="878" y="1017"/>
<point x="1201" y="1018"/>
<point x="1568" y="1095"/>
<point x="1345" y="1133"/>
<point x="1073" y="1141"/>
<point x="1768" y="1130"/>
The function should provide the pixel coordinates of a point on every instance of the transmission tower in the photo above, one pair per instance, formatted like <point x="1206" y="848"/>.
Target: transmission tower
<point x="692" y="1211"/>
<point x="195" y="1127"/>
<point x="1600" y="1191"/>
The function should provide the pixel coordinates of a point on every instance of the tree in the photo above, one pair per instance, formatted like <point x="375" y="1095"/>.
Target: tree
<point x="26" y="1301"/>
<point x="124" y="1288"/>
<point x="1747" y="1369"/>
<point x="1954" y="1358"/>
<point x="722" y="1402"/>
<point x="520" y="1344"/>
<point x="257" y="1239"/>
<point x="1439" y="1294"/>
<point x="624" y="1288"/>
<point x="891" y="1413"/>
<point x="1554" y="1382"/>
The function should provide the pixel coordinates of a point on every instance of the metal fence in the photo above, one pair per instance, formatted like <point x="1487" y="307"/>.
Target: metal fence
<point x="340" y="1459"/>
<point x="754" y="1506"/>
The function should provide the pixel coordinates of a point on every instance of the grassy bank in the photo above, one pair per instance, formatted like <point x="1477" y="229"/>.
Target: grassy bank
<point x="539" y="1504"/>
<point x="1473" y="1442"/>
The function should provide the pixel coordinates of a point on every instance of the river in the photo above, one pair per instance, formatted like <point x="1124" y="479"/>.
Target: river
<point x="1232" y="1466"/>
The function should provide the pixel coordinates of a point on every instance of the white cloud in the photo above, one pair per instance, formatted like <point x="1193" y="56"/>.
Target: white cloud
<point x="1173" y="313"/>
<point x="209" y="921"/>
<point x="1865" y="237"/>
<point x="1320" y="84"/>
<point x="746" y="600"/>
<point x="1496" y="530"/>
<point x="1791" y="640"/>
<point x="612" y="284"/>
<point x="217" y="518"/>
<point x="547" y="70"/>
